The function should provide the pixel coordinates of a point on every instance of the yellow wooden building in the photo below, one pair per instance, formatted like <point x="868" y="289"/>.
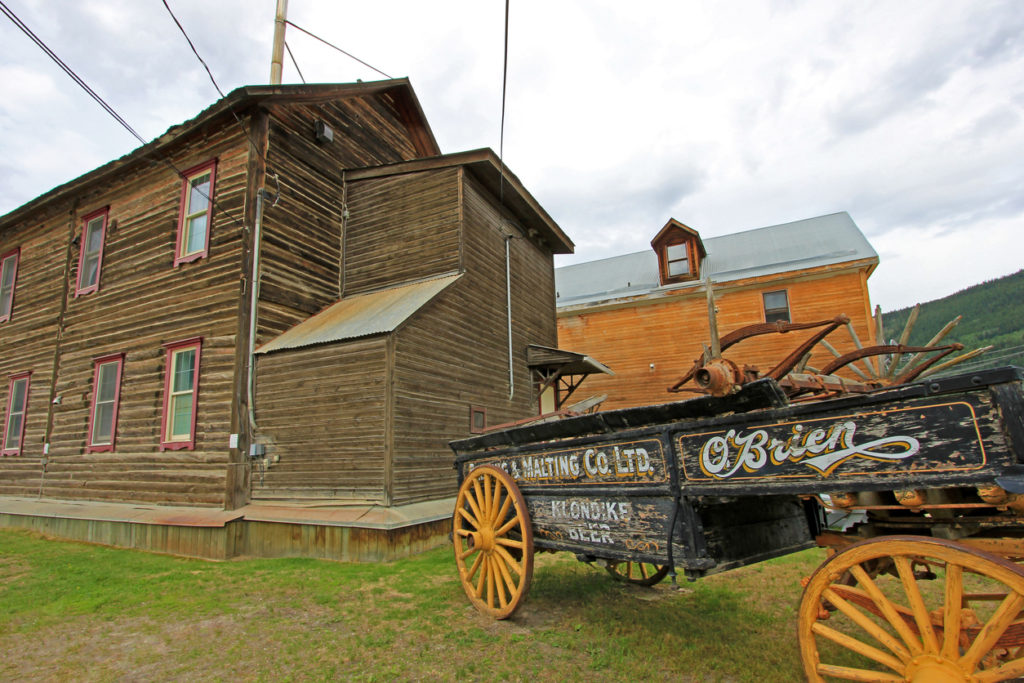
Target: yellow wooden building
<point x="645" y="314"/>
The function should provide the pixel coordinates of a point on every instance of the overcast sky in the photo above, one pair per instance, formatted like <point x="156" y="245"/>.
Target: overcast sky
<point x="620" y="115"/>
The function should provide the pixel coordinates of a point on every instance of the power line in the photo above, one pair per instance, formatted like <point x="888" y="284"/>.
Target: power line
<point x="212" y="79"/>
<point x="501" y="135"/>
<point x="194" y="51"/>
<point x="289" y="50"/>
<point x="68" y="70"/>
<point x="106" y="107"/>
<point x="347" y="54"/>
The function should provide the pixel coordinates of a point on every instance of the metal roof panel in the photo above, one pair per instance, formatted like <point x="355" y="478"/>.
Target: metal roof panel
<point x="361" y="315"/>
<point x="809" y="243"/>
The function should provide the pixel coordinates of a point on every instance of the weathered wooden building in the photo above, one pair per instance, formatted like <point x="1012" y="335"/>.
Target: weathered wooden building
<point x="391" y="293"/>
<point x="645" y="314"/>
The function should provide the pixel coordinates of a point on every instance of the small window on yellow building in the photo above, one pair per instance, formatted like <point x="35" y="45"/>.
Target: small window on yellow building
<point x="776" y="306"/>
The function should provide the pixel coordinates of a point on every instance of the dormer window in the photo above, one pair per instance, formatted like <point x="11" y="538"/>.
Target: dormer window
<point x="680" y="251"/>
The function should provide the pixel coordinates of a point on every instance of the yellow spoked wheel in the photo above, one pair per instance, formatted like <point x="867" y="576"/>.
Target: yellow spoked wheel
<point x="638" y="573"/>
<point x="493" y="542"/>
<point x="938" y="612"/>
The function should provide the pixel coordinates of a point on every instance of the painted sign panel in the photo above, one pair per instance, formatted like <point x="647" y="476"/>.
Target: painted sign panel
<point x="618" y="523"/>
<point x="931" y="438"/>
<point x="621" y="462"/>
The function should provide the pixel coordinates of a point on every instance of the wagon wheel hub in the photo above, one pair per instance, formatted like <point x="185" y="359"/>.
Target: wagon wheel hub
<point x="934" y="670"/>
<point x="484" y="539"/>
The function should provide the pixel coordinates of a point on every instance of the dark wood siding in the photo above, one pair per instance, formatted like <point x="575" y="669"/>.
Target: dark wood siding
<point x="28" y="340"/>
<point x="454" y="353"/>
<point x="401" y="228"/>
<point x="301" y="250"/>
<point x="142" y="303"/>
<point x="321" y="413"/>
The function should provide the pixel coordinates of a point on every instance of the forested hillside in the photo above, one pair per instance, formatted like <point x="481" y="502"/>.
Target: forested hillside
<point x="993" y="314"/>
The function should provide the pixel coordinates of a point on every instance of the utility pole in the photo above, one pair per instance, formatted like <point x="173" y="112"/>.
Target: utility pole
<point x="277" y="56"/>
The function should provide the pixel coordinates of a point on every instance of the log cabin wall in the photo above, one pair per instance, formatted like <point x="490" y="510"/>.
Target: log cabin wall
<point x="401" y="228"/>
<point x="302" y="234"/>
<point x="667" y="332"/>
<point x="28" y="339"/>
<point x="144" y="302"/>
<point x="321" y="413"/>
<point x="454" y="354"/>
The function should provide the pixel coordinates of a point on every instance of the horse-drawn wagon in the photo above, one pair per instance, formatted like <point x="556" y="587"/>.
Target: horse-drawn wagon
<point x="924" y="587"/>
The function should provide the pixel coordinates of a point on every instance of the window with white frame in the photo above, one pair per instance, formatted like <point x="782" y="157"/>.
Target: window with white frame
<point x="17" y="406"/>
<point x="181" y="393"/>
<point x="106" y="396"/>
<point x="8" y="277"/>
<point x="196" y="212"/>
<point x="90" y="257"/>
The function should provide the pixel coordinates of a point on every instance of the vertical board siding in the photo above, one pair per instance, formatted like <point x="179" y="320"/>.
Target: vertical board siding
<point x="320" y="411"/>
<point x="454" y="353"/>
<point x="401" y="228"/>
<point x="669" y="334"/>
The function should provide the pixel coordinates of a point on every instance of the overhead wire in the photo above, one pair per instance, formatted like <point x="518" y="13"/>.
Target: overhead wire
<point x="501" y="136"/>
<point x="106" y="107"/>
<point x="213" y="80"/>
<point x="296" y="64"/>
<point x="331" y="45"/>
<point x="69" y="71"/>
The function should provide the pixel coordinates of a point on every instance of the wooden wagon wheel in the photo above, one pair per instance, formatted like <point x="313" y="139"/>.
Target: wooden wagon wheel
<point x="944" y="612"/>
<point x="493" y="542"/>
<point x="638" y="573"/>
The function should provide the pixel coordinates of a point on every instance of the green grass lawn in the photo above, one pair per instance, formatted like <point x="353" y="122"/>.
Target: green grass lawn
<point x="71" y="611"/>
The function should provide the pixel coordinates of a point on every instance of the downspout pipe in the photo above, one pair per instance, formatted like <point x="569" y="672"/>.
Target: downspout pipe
<point x="508" y="308"/>
<point x="254" y="293"/>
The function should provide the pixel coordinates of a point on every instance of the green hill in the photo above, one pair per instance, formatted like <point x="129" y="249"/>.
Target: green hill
<point x="993" y="315"/>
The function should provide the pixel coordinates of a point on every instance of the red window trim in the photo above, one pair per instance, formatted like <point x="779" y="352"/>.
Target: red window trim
<point x="105" y="212"/>
<point x="97" y="362"/>
<point x="188" y="175"/>
<point x="16" y="253"/>
<point x="24" y="415"/>
<point x="171" y="347"/>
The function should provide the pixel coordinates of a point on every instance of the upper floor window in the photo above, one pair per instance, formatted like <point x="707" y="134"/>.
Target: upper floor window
<point x="181" y="394"/>
<point x="677" y="259"/>
<point x="8" y="276"/>
<point x="680" y="251"/>
<point x="196" y="212"/>
<point x="106" y="396"/>
<point x="776" y="306"/>
<point x="90" y="256"/>
<point x="17" y="404"/>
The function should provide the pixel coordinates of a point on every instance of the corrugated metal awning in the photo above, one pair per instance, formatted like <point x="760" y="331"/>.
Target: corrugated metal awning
<point x="361" y="315"/>
<point x="567" y="362"/>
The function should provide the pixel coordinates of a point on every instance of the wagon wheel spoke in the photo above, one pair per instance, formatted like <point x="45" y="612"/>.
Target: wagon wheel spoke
<point x="491" y="521"/>
<point x="638" y="573"/>
<point x="911" y="628"/>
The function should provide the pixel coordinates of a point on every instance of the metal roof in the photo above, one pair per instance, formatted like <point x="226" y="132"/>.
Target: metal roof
<point x="230" y="107"/>
<point x="809" y="243"/>
<point x="569" y="362"/>
<point x="361" y="315"/>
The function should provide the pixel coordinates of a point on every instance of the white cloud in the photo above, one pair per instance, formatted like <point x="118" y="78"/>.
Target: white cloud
<point x="726" y="116"/>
